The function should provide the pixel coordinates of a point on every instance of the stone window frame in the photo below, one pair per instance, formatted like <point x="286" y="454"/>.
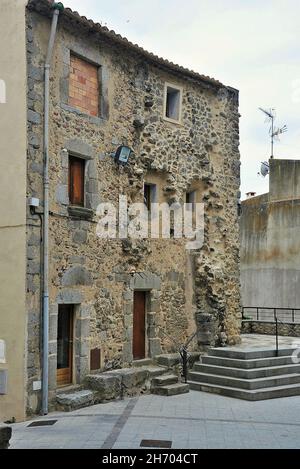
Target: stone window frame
<point x="93" y="57"/>
<point x="180" y="89"/>
<point x="79" y="149"/>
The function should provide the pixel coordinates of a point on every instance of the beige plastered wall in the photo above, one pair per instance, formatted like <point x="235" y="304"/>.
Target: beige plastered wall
<point x="13" y="204"/>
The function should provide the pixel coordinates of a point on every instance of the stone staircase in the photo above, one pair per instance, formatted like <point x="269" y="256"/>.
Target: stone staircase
<point x="168" y="385"/>
<point x="251" y="374"/>
<point x="144" y="377"/>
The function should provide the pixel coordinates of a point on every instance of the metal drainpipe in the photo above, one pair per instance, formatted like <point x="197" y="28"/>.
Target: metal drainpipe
<point x="58" y="7"/>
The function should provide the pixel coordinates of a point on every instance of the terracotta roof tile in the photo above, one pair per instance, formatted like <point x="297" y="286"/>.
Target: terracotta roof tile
<point x="44" y="6"/>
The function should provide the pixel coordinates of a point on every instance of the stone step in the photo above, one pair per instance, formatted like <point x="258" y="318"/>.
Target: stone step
<point x="144" y="362"/>
<point x="250" y="373"/>
<point x="251" y="384"/>
<point x="72" y="389"/>
<point x="171" y="389"/>
<point x="169" y="360"/>
<point x="76" y="400"/>
<point x="249" y="354"/>
<point x="156" y="371"/>
<point x="249" y="395"/>
<point x="172" y="359"/>
<point x="248" y="364"/>
<point x="164" y="380"/>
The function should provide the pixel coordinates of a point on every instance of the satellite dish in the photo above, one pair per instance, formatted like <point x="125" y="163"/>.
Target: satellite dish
<point x="264" y="169"/>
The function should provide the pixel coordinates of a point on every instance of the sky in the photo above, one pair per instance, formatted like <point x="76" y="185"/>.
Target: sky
<point x="251" y="45"/>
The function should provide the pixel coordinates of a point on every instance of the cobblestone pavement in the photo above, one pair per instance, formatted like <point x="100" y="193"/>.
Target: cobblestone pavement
<point x="196" y="420"/>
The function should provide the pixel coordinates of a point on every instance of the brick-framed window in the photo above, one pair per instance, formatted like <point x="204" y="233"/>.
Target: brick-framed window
<point x="76" y="181"/>
<point x="84" y="86"/>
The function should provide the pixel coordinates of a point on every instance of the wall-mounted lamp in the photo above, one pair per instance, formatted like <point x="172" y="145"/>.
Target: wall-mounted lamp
<point x="122" y="154"/>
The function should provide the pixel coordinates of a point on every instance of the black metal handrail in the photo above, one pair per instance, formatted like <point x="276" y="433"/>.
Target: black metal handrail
<point x="259" y="310"/>
<point x="183" y="352"/>
<point x="270" y="314"/>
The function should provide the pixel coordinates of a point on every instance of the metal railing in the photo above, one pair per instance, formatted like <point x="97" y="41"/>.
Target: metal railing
<point x="284" y="315"/>
<point x="185" y="356"/>
<point x="271" y="315"/>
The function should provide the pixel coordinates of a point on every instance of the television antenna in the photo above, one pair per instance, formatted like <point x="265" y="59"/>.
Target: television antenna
<point x="274" y="132"/>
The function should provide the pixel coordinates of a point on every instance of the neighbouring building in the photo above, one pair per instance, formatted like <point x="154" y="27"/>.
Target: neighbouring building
<point x="111" y="301"/>
<point x="270" y="245"/>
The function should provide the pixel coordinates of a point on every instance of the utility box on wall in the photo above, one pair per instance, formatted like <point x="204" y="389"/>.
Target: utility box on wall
<point x="3" y="382"/>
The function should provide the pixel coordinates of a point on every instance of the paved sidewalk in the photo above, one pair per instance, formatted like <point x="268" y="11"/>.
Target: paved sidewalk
<point x="195" y="420"/>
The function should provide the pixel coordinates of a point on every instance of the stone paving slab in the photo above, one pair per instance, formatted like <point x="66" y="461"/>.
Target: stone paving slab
<point x="191" y="421"/>
<point x="250" y="341"/>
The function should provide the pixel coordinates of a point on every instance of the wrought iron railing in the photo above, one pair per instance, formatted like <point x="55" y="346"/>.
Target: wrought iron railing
<point x="275" y="315"/>
<point x="284" y="315"/>
<point x="185" y="356"/>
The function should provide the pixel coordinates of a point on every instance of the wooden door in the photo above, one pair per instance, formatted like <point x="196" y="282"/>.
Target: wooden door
<point x="65" y="345"/>
<point x="139" y="326"/>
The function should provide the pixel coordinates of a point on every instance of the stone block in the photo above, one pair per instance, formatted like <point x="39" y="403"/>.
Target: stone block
<point x="77" y="400"/>
<point x="84" y="368"/>
<point x="5" y="436"/>
<point x="128" y="295"/>
<point x="155" y="305"/>
<point x="146" y="281"/>
<point x="34" y="140"/>
<point x="52" y="372"/>
<point x="154" y="347"/>
<point x="34" y="117"/>
<point x="69" y="296"/>
<point x="127" y="353"/>
<point x="53" y="319"/>
<point x="152" y="332"/>
<point x="86" y="311"/>
<point x="77" y="275"/>
<point x="77" y="260"/>
<point x="152" y="318"/>
<point x="62" y="194"/>
<point x="80" y="148"/>
<point x="80" y="237"/>
<point x="82" y="328"/>
<point x="107" y="385"/>
<point x="52" y="349"/>
<point x="134" y="377"/>
<point x="33" y="268"/>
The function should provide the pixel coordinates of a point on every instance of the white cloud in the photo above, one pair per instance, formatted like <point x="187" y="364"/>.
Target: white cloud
<point x="251" y="45"/>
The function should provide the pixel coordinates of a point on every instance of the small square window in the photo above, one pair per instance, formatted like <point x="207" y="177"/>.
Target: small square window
<point x="76" y="181"/>
<point x="173" y="99"/>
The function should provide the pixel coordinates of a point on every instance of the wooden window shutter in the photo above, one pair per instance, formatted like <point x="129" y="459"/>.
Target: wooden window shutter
<point x="76" y="181"/>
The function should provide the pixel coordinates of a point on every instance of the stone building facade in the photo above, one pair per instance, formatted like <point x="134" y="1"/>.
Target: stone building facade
<point x="183" y="129"/>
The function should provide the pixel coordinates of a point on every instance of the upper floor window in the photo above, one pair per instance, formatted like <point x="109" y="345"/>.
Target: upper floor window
<point x="191" y="199"/>
<point x="84" y="86"/>
<point x="76" y="181"/>
<point x="173" y="103"/>
<point x="149" y="195"/>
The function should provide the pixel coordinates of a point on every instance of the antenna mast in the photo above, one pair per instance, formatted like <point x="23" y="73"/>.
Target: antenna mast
<point x="274" y="132"/>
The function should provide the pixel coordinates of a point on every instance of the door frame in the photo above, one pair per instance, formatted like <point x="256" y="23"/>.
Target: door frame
<point x="147" y="296"/>
<point x="65" y="376"/>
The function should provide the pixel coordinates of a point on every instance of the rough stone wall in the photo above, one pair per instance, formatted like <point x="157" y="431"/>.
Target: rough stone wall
<point x="269" y="328"/>
<point x="94" y="274"/>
